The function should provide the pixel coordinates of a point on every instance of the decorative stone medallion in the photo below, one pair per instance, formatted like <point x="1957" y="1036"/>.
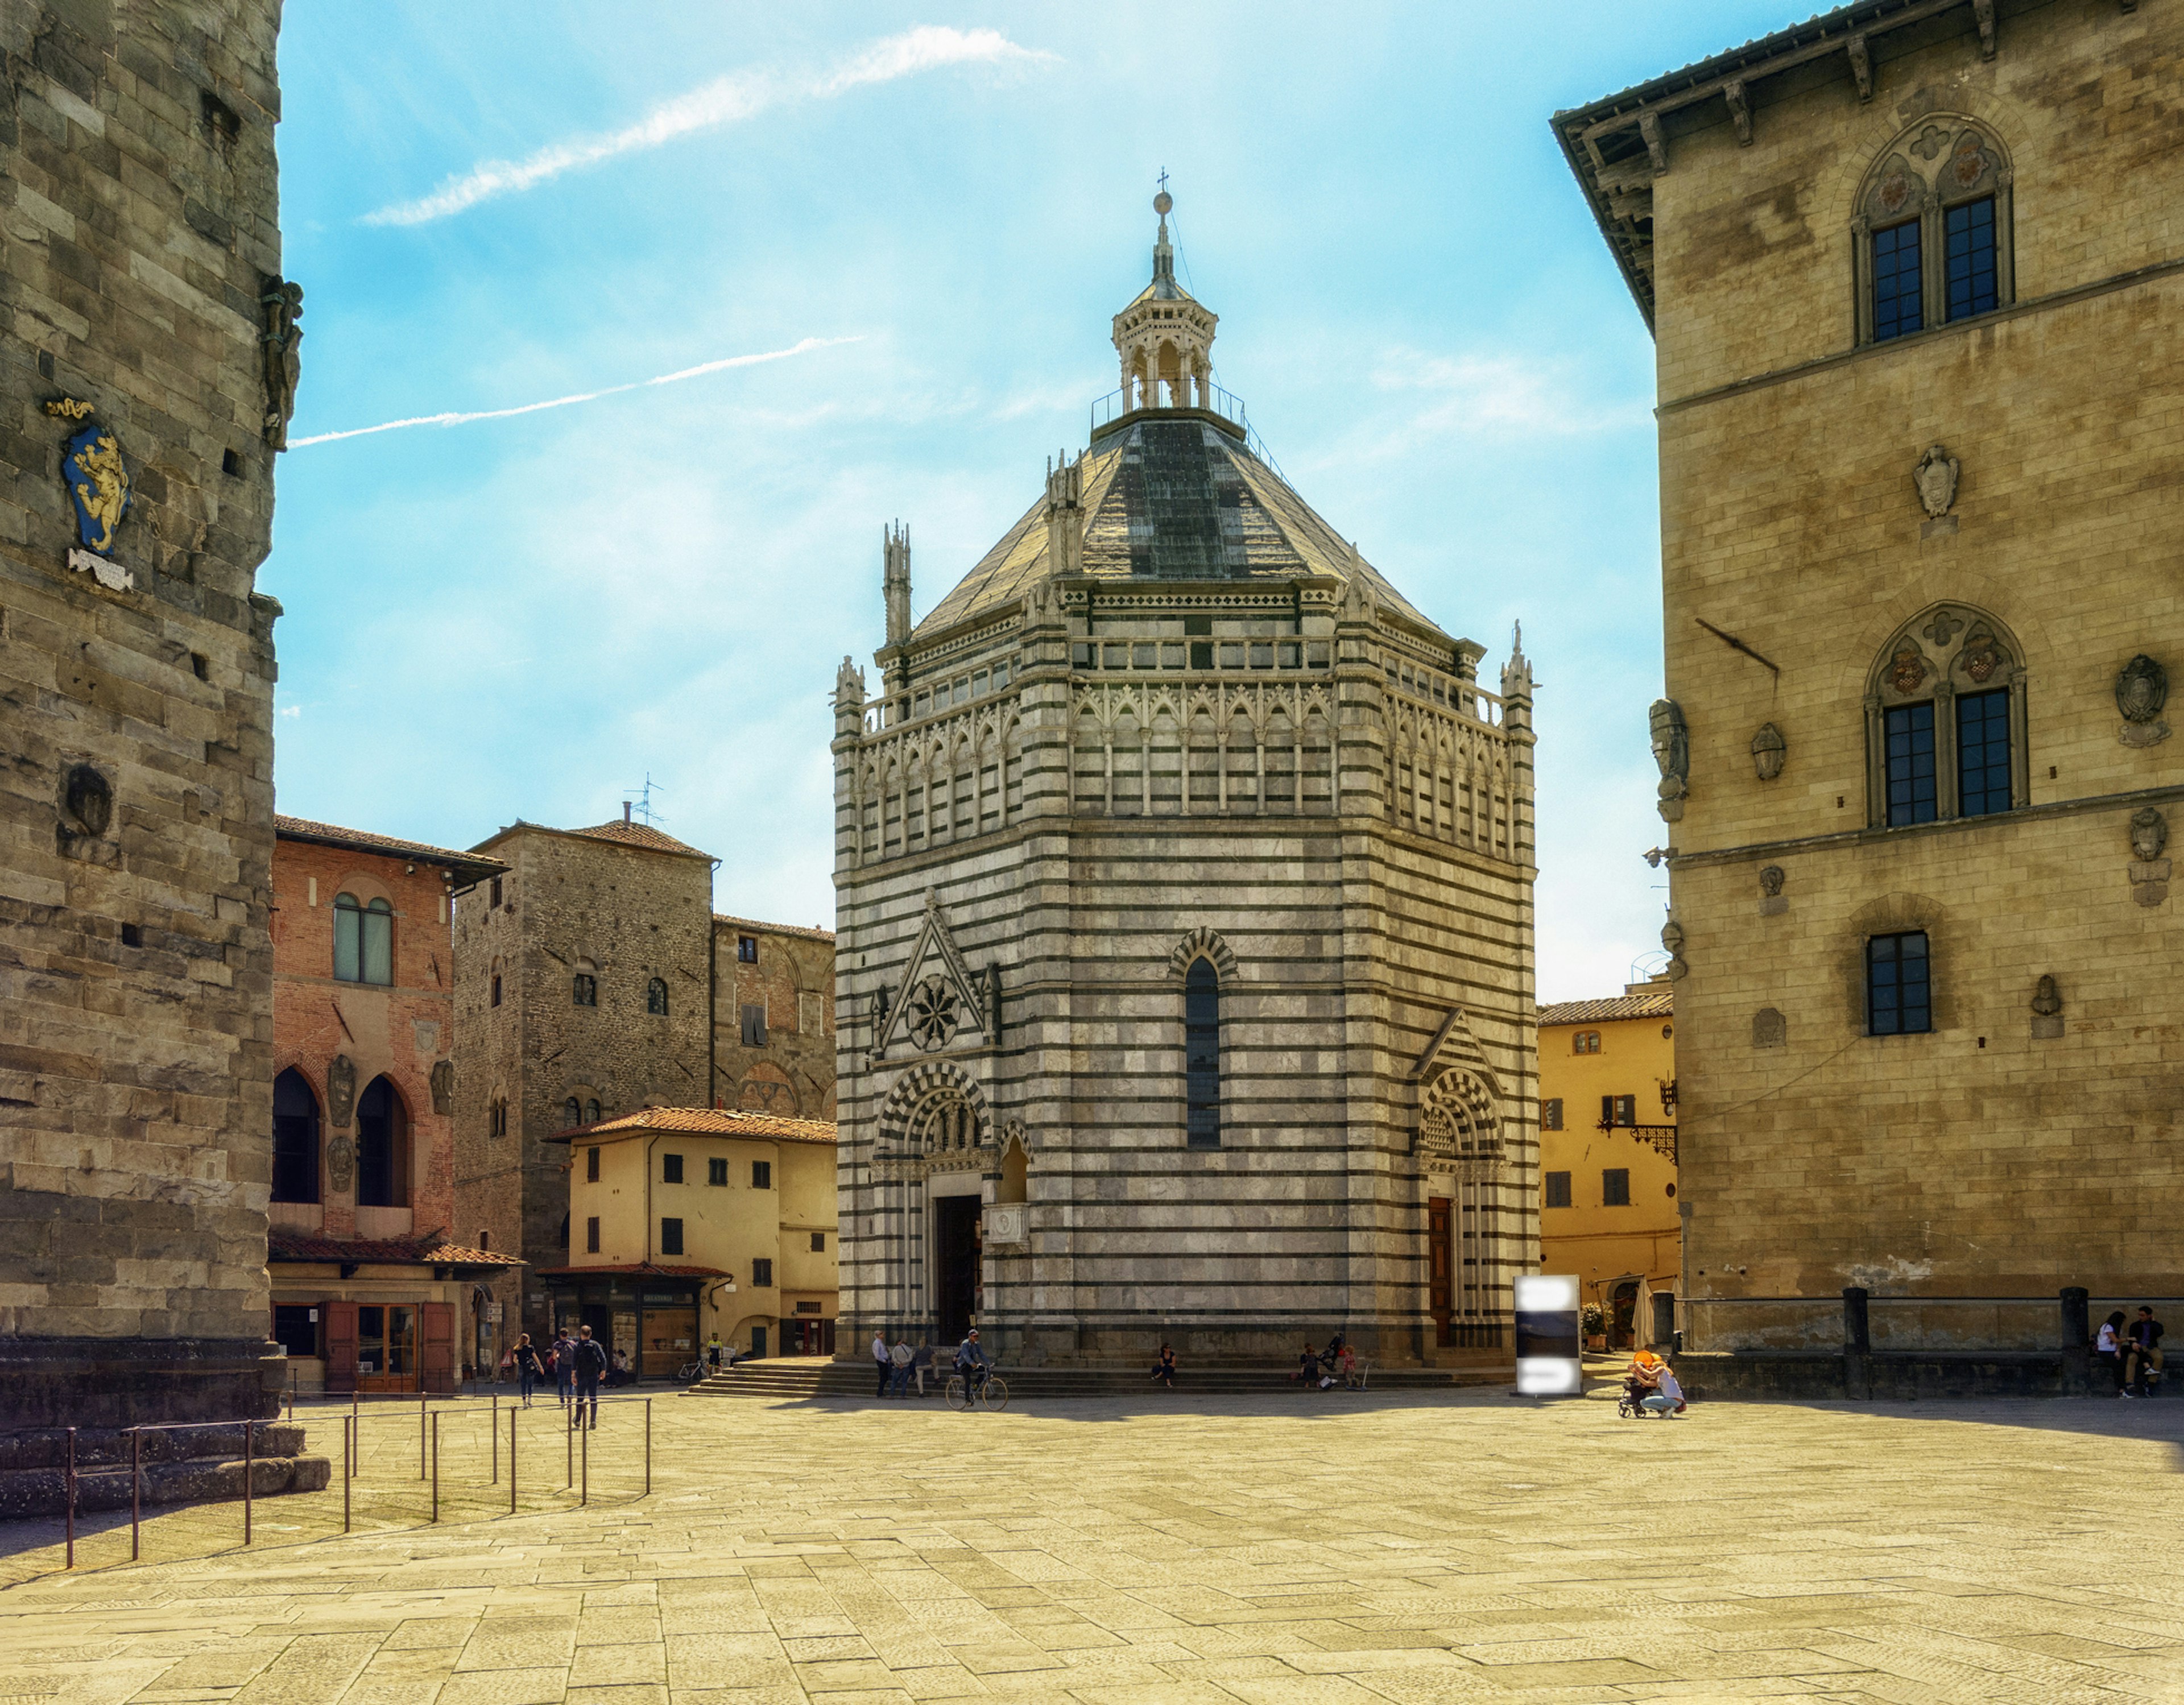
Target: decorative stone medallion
<point x="1907" y="669"/>
<point x="341" y="1165"/>
<point x="2141" y="690"/>
<point x="1770" y="1028"/>
<point x="1935" y="476"/>
<point x="1769" y="751"/>
<point x="935" y="1014"/>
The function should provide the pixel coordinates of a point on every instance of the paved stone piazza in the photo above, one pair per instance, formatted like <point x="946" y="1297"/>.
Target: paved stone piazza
<point x="1320" y="1548"/>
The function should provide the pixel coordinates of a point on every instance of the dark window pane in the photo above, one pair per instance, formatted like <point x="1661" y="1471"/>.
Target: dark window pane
<point x="382" y="1147"/>
<point x="591" y="1165"/>
<point x="348" y="939"/>
<point x="671" y="1169"/>
<point x="716" y="1171"/>
<point x="1969" y="232"/>
<point x="591" y="1112"/>
<point x="1898" y="995"/>
<point x="1558" y="1189"/>
<point x="591" y="1235"/>
<point x="378" y="922"/>
<point x="1983" y="752"/>
<point x="295" y="1141"/>
<point x="1202" y="1057"/>
<point x="295" y="1327"/>
<point x="1908" y="734"/>
<point x="585" y="990"/>
<point x="670" y="1237"/>
<point x="1615" y="1187"/>
<point x="572" y="1112"/>
<point x="762" y="1273"/>
<point x="1895" y="304"/>
<point x="655" y="997"/>
<point x="1551" y="1114"/>
<point x="761" y="1175"/>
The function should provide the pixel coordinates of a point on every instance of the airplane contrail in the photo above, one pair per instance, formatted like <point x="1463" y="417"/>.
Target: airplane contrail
<point x="699" y="371"/>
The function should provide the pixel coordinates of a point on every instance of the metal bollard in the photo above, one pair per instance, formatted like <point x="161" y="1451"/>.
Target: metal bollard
<point x="511" y="1462"/>
<point x="135" y="1494"/>
<point x="421" y="1427"/>
<point x="569" y="1485"/>
<point x="435" y="1468"/>
<point x="69" y="1496"/>
<point x="292" y="1394"/>
<point x="648" y="1447"/>
<point x="493" y="1431"/>
<point x="585" y="1497"/>
<point x="249" y="1462"/>
<point x="349" y="1456"/>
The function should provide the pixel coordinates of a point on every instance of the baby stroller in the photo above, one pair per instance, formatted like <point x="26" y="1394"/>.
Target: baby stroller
<point x="1667" y="1397"/>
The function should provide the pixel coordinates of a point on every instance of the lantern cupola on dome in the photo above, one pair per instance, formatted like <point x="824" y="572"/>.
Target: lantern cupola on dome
<point x="1165" y="337"/>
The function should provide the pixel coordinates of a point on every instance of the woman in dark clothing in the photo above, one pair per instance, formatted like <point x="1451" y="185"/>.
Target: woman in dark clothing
<point x="529" y="1366"/>
<point x="1164" y="1370"/>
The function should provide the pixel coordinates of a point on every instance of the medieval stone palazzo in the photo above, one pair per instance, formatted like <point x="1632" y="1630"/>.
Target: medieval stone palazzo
<point x="1185" y="960"/>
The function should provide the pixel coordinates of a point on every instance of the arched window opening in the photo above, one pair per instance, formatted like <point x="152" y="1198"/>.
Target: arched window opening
<point x="1202" y="1056"/>
<point x="655" y="997"/>
<point x="295" y="1138"/>
<point x="363" y="941"/>
<point x="1946" y="722"/>
<point x="572" y="1113"/>
<point x="1015" y="1184"/>
<point x="584" y="990"/>
<point x="497" y="1118"/>
<point x="592" y="1114"/>
<point x="1933" y="232"/>
<point x="382" y="1147"/>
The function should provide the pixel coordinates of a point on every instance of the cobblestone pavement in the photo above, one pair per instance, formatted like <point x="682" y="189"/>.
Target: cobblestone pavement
<point x="1395" y="1547"/>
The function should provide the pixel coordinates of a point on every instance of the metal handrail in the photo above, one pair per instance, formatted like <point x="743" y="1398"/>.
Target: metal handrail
<point x="1223" y="402"/>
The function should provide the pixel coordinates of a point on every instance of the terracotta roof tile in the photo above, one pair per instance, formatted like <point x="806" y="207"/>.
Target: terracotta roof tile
<point x="284" y="1244"/>
<point x="639" y="835"/>
<point x="363" y="840"/>
<point x="812" y="934"/>
<point x="703" y="1122"/>
<point x="1649" y="1006"/>
<point x="642" y="1268"/>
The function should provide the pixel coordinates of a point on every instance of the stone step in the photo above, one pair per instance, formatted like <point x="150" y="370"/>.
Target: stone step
<point x="181" y="1465"/>
<point x="851" y="1379"/>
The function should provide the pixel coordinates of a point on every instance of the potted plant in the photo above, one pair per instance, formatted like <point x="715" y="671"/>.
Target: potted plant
<point x="1594" y="1320"/>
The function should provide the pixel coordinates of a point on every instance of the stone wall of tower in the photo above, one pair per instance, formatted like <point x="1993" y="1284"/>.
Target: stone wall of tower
<point x="791" y="983"/>
<point x="1354" y="927"/>
<point x="634" y="913"/>
<point x="138" y="230"/>
<point x="2009" y="1152"/>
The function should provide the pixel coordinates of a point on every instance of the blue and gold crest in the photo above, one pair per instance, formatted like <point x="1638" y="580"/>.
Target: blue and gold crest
<point x="97" y="480"/>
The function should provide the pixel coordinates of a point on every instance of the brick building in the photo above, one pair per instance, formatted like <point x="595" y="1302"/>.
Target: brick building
<point x="147" y="361"/>
<point x="374" y="1285"/>
<point x="773" y="1025"/>
<point x="1914" y="273"/>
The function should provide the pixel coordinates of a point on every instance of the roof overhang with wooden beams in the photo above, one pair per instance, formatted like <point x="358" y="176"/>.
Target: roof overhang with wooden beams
<point x="1617" y="147"/>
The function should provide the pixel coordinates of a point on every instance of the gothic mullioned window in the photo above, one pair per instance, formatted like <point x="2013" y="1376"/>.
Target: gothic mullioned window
<point x="363" y="941"/>
<point x="1933" y="230"/>
<point x="295" y="1138"/>
<point x="1946" y="722"/>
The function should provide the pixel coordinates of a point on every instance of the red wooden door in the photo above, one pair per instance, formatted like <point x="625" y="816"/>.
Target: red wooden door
<point x="436" y="1346"/>
<point x="1439" y="1299"/>
<point x="340" y="1318"/>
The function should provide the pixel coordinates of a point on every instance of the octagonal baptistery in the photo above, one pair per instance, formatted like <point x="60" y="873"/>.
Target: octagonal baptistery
<point x="1184" y="968"/>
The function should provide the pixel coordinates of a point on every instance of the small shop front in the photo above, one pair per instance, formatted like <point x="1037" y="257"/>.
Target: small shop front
<point x="646" y="1316"/>
<point x="378" y="1316"/>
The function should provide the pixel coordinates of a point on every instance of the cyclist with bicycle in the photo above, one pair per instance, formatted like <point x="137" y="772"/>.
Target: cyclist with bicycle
<point x="974" y="1364"/>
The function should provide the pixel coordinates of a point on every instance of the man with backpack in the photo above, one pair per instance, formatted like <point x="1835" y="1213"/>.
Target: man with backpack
<point x="588" y="1359"/>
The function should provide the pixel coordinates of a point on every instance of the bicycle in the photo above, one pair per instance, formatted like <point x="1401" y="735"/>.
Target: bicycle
<point x="690" y="1372"/>
<point x="991" y="1392"/>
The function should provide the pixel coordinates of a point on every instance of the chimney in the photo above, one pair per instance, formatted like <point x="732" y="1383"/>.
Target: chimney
<point x="624" y="811"/>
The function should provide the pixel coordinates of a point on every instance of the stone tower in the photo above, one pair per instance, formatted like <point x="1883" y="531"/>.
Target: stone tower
<point x="148" y="359"/>
<point x="1184" y="954"/>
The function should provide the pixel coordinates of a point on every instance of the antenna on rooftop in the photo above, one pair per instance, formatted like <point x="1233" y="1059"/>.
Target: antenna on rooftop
<point x="642" y="805"/>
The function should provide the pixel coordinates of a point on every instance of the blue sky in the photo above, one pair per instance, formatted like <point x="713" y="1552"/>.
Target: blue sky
<point x="924" y="219"/>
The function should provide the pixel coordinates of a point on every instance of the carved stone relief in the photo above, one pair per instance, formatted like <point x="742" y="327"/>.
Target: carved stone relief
<point x="1773" y="902"/>
<point x="340" y="1091"/>
<point x="2046" y="1010"/>
<point x="2141" y="690"/>
<point x="2149" y="869"/>
<point x="1936" y="477"/>
<point x="444" y="1087"/>
<point x="1769" y="751"/>
<point x="1672" y="938"/>
<point x="1770" y="1028"/>
<point x="280" y="344"/>
<point x="341" y="1165"/>
<point x="1672" y="752"/>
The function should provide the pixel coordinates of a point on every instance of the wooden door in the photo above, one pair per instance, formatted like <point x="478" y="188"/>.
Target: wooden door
<point x="435" y="1347"/>
<point x="340" y="1319"/>
<point x="1439" y="1300"/>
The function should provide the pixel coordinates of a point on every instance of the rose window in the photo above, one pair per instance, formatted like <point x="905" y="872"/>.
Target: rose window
<point x="934" y="1014"/>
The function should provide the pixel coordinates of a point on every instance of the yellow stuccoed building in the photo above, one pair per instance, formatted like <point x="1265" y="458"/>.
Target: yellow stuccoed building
<point x="1607" y="1146"/>
<point x="686" y="1222"/>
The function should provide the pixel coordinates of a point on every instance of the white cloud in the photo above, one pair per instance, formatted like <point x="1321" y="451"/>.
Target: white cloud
<point x="456" y="419"/>
<point x="736" y="98"/>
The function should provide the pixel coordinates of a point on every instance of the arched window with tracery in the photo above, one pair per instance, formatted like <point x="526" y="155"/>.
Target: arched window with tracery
<point x="1945" y="717"/>
<point x="1202" y="1056"/>
<point x="1934" y="231"/>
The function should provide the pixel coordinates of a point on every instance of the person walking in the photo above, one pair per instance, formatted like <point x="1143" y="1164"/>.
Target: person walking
<point x="885" y="1361"/>
<point x="2108" y="1349"/>
<point x="564" y="1364"/>
<point x="2141" y="1355"/>
<point x="588" y="1357"/>
<point x="529" y="1370"/>
<point x="901" y="1357"/>
<point x="921" y="1362"/>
